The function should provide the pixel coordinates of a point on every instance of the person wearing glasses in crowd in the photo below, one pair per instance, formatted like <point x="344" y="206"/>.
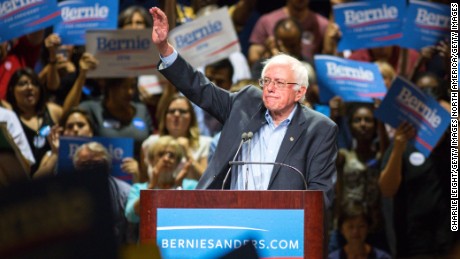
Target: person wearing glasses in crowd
<point x="179" y="121"/>
<point x="283" y="130"/>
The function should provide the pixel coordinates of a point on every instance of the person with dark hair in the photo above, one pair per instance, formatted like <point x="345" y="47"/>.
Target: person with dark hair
<point x="358" y="171"/>
<point x="354" y="223"/>
<point x="76" y="123"/>
<point x="220" y="73"/>
<point x="28" y="100"/>
<point x="134" y="17"/>
<point x="286" y="38"/>
<point x="313" y="29"/>
<point x="116" y="115"/>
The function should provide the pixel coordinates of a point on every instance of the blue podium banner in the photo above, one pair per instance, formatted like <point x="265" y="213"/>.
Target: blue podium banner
<point x="369" y="24"/>
<point x="78" y="16"/>
<point x="354" y="81"/>
<point x="425" y="25"/>
<point x="118" y="148"/>
<point x="406" y="102"/>
<point x="212" y="233"/>
<point x="18" y="18"/>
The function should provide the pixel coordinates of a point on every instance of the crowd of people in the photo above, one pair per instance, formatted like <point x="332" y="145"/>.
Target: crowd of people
<point x="384" y="198"/>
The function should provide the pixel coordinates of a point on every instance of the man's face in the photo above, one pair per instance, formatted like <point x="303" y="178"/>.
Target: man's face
<point x="220" y="77"/>
<point x="281" y="101"/>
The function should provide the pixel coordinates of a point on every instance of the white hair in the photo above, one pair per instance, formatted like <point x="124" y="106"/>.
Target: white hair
<point x="297" y="67"/>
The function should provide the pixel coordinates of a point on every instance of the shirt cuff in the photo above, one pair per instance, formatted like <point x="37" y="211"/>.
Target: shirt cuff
<point x="167" y="61"/>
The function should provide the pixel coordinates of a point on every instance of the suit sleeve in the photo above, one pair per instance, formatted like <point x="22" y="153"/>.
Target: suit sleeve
<point x="323" y="168"/>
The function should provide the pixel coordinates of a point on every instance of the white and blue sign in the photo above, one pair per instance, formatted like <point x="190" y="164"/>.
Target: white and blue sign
<point x="212" y="233"/>
<point x="118" y="148"/>
<point x="354" y="81"/>
<point x="425" y="25"/>
<point x="369" y="24"/>
<point x="78" y="16"/>
<point x="18" y="18"/>
<point x="406" y="102"/>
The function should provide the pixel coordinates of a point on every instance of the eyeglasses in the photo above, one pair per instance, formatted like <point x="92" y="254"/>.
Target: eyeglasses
<point x="181" y="111"/>
<point x="26" y="83"/>
<point x="168" y="153"/>
<point x="279" y="83"/>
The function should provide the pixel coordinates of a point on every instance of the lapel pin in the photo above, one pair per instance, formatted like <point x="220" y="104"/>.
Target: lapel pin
<point x="291" y="139"/>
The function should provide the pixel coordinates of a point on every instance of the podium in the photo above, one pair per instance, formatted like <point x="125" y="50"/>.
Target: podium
<point x="286" y="224"/>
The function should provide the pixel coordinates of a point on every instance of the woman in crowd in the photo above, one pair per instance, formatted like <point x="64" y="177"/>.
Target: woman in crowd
<point x="179" y="121"/>
<point x="28" y="100"/>
<point x="164" y="157"/>
<point x="74" y="123"/>
<point x="134" y="17"/>
<point x="358" y="170"/>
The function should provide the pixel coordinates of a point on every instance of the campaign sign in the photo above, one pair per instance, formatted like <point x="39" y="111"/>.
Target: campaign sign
<point x="369" y="24"/>
<point x="122" y="53"/>
<point x="118" y="148"/>
<point x="406" y="102"/>
<point x="212" y="233"/>
<point x="354" y="81"/>
<point x="207" y="39"/>
<point x="78" y="16"/>
<point x="425" y="25"/>
<point x="18" y="18"/>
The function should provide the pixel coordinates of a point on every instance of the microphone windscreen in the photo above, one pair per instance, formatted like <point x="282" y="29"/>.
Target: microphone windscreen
<point x="250" y="135"/>
<point x="244" y="136"/>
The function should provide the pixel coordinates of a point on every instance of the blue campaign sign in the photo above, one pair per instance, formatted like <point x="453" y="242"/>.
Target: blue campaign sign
<point x="369" y="24"/>
<point x="78" y="16"/>
<point x="425" y="25"/>
<point x="18" y="18"/>
<point x="212" y="233"/>
<point x="354" y="81"/>
<point x="119" y="148"/>
<point x="406" y="102"/>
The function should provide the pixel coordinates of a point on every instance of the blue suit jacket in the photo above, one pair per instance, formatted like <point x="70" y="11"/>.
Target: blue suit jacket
<point x="309" y="144"/>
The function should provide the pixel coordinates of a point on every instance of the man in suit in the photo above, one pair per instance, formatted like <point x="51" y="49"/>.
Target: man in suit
<point x="283" y="130"/>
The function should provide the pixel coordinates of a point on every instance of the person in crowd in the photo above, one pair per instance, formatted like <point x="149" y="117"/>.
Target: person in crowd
<point x="296" y="135"/>
<point x="16" y="54"/>
<point x="14" y="128"/>
<point x="417" y="191"/>
<point x="358" y="170"/>
<point x="116" y="115"/>
<point x="354" y="223"/>
<point x="134" y="17"/>
<point x="28" y="100"/>
<point x="287" y="38"/>
<point x="313" y="29"/>
<point x="164" y="157"/>
<point x="93" y="157"/>
<point x="74" y="123"/>
<point x="179" y="121"/>
<point x="220" y="73"/>
<point x="67" y="69"/>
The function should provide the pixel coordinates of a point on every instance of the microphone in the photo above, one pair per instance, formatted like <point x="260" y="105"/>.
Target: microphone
<point x="244" y="138"/>
<point x="271" y="163"/>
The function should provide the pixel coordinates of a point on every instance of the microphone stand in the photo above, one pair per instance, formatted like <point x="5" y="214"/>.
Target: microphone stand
<point x="231" y="163"/>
